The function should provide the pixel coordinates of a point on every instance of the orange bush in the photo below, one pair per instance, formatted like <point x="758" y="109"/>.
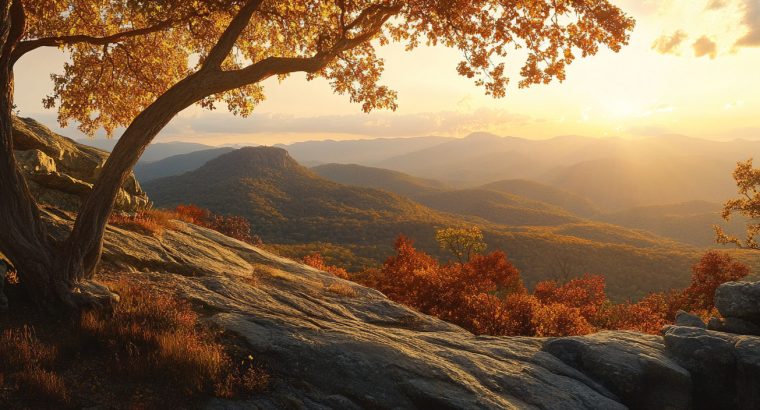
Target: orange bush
<point x="316" y="261"/>
<point x="559" y="319"/>
<point x="586" y="294"/>
<point x="461" y="293"/>
<point x="712" y="270"/>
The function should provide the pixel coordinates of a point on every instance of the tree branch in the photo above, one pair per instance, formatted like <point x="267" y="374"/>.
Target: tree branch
<point x="226" y="42"/>
<point x="57" y="41"/>
<point x="271" y="66"/>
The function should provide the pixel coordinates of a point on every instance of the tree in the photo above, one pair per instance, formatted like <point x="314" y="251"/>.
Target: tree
<point x="134" y="64"/>
<point x="713" y="269"/>
<point x="461" y="242"/>
<point x="748" y="205"/>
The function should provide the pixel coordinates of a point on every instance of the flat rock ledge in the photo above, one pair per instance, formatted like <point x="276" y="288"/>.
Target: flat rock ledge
<point x="333" y="344"/>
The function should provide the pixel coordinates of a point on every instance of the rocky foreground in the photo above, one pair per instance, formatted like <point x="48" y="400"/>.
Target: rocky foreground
<point x="330" y="343"/>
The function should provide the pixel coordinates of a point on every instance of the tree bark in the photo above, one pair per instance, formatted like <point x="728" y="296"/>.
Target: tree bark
<point x="23" y="237"/>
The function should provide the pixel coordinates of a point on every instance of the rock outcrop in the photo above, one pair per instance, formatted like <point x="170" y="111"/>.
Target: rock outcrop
<point x="60" y="171"/>
<point x="740" y="300"/>
<point x="635" y="367"/>
<point x="724" y="368"/>
<point x="330" y="343"/>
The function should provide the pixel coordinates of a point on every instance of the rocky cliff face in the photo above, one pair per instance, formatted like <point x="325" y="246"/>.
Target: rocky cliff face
<point x="331" y="343"/>
<point x="61" y="171"/>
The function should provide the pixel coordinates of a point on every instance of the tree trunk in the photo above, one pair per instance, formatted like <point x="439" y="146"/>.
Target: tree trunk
<point x="23" y="237"/>
<point x="83" y="247"/>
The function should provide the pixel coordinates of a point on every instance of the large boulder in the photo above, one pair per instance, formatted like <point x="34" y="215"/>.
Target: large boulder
<point x="725" y="368"/>
<point x="734" y="325"/>
<point x="60" y="171"/>
<point x="739" y="300"/>
<point x="689" y="319"/>
<point x="634" y="366"/>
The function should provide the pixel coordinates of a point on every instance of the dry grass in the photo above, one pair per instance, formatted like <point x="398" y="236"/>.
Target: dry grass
<point x="342" y="289"/>
<point x="20" y="349"/>
<point x="153" y="343"/>
<point x="25" y="359"/>
<point x="43" y="387"/>
<point x="149" y="222"/>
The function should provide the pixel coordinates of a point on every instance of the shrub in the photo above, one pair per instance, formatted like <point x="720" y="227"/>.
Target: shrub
<point x="155" y="221"/>
<point x="585" y="294"/>
<point x="316" y="261"/>
<point x="157" y="335"/>
<point x="149" y="222"/>
<point x="714" y="269"/>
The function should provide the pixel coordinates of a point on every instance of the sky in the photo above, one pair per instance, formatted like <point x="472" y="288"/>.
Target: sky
<point x="691" y="69"/>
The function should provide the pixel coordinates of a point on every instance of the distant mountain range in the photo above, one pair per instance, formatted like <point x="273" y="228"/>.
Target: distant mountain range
<point x="612" y="174"/>
<point x="154" y="152"/>
<point x="176" y="164"/>
<point x="295" y="209"/>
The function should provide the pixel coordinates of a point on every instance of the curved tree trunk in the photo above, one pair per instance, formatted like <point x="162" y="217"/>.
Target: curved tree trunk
<point x="83" y="248"/>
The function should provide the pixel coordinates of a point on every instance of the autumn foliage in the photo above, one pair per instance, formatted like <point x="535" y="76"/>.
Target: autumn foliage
<point x="315" y="260"/>
<point x="155" y="221"/>
<point x="486" y="295"/>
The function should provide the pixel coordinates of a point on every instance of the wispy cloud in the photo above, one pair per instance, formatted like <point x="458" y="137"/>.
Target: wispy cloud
<point x="372" y="125"/>
<point x="670" y="44"/>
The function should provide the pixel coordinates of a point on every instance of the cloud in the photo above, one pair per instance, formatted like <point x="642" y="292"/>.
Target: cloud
<point x="705" y="47"/>
<point x="370" y="125"/>
<point x="717" y="4"/>
<point x="752" y="22"/>
<point x="669" y="44"/>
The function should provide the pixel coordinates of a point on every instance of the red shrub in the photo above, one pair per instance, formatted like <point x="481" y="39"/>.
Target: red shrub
<point x="714" y="269"/>
<point x="585" y="293"/>
<point x="193" y="214"/>
<point x="316" y="261"/>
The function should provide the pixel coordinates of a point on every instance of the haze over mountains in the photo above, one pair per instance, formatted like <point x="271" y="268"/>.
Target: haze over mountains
<point x="671" y="185"/>
<point x="613" y="174"/>
<point x="355" y="217"/>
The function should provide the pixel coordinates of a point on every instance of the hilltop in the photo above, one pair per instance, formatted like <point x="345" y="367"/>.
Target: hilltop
<point x="176" y="164"/>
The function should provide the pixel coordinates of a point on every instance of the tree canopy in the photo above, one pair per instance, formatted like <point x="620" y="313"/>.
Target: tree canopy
<point x="747" y="205"/>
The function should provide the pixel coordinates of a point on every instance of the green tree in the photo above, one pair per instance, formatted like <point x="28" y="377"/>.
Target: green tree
<point x="463" y="243"/>
<point x="139" y="63"/>
<point x="747" y="205"/>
